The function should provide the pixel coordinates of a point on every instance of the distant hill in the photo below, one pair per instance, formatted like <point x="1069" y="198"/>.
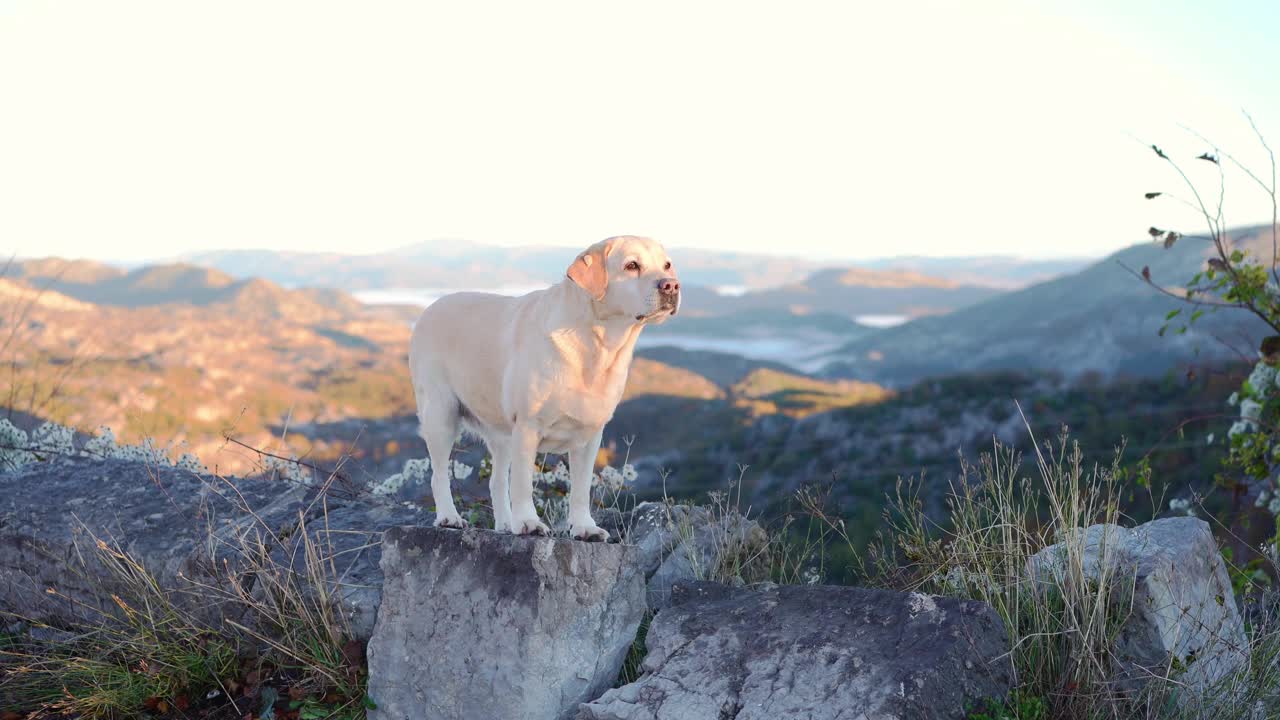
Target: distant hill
<point x="650" y="377"/>
<point x="69" y="271"/>
<point x="17" y="294"/>
<point x="176" y="283"/>
<point x="999" y="271"/>
<point x="1101" y="319"/>
<point x="767" y="391"/>
<point x="853" y="292"/>
<point x="723" y="369"/>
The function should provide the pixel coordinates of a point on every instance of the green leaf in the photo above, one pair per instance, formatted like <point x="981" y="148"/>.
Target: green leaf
<point x="1172" y="314"/>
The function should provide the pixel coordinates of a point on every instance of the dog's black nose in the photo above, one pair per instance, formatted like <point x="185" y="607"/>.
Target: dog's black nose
<point x="668" y="286"/>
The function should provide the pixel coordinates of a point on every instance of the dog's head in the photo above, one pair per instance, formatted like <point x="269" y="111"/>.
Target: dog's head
<point x="629" y="276"/>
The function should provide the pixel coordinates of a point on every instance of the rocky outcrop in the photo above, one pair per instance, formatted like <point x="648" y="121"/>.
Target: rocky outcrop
<point x="812" y="652"/>
<point x="478" y="624"/>
<point x="1182" y="616"/>
<point x="681" y="543"/>
<point x="189" y="531"/>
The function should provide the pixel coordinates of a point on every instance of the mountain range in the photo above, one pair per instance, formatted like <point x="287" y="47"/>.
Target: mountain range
<point x="458" y="264"/>
<point x="1097" y="319"/>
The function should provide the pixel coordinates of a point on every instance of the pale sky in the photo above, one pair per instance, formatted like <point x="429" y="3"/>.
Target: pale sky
<point x="135" y="130"/>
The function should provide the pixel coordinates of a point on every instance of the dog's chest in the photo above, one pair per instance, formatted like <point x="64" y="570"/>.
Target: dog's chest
<point x="564" y="435"/>
<point x="572" y="419"/>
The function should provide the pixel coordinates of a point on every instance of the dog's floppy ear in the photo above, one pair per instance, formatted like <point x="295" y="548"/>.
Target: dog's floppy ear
<point x="589" y="271"/>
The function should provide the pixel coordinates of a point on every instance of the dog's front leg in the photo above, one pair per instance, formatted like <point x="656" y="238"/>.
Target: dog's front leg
<point x="582" y="461"/>
<point x="500" y="454"/>
<point x="524" y="517"/>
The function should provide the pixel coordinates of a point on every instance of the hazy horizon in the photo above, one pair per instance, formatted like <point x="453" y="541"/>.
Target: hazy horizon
<point x="193" y="256"/>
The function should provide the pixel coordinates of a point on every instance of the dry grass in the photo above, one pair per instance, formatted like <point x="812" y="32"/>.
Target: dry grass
<point x="721" y="540"/>
<point x="1063" y="625"/>
<point x="150" y="650"/>
<point x="271" y="610"/>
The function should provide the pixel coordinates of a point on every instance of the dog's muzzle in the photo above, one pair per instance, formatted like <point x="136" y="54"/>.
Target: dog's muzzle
<point x="669" y="294"/>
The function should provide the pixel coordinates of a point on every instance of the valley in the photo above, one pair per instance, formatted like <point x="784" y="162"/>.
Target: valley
<point x="797" y="393"/>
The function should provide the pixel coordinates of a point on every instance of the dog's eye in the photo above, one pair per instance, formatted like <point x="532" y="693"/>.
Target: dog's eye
<point x="632" y="266"/>
<point x="667" y="266"/>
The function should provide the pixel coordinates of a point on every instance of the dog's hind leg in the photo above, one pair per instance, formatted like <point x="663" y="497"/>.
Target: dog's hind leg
<point x="438" y="417"/>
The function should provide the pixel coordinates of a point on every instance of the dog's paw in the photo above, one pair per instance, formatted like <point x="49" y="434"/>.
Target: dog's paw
<point x="589" y="533"/>
<point x="502" y="526"/>
<point x="532" y="526"/>
<point x="453" y="520"/>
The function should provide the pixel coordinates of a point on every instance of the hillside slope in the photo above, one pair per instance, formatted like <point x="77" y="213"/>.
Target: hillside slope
<point x="1102" y="319"/>
<point x="997" y="271"/>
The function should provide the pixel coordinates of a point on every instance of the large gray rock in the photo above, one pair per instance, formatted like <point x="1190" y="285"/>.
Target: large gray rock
<point x="478" y="624"/>
<point x="1182" y="614"/>
<point x="682" y="544"/>
<point x="188" y="530"/>
<point x="812" y="652"/>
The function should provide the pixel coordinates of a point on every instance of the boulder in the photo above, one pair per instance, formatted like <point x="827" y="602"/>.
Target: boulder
<point x="188" y="530"/>
<point x="681" y="543"/>
<point x="1182" y="615"/>
<point x="478" y="624"/>
<point x="812" y="652"/>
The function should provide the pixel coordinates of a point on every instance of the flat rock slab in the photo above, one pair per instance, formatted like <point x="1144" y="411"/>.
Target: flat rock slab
<point x="812" y="652"/>
<point x="478" y="624"/>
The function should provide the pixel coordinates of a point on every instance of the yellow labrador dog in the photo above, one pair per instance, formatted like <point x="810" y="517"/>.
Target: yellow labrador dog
<point x="538" y="373"/>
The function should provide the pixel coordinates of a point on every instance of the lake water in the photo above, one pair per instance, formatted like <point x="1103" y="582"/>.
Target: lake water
<point x="800" y="353"/>
<point x="881" y="321"/>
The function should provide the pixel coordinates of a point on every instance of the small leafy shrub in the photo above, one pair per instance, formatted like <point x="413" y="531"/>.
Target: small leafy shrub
<point x="1019" y="706"/>
<point x="1241" y="274"/>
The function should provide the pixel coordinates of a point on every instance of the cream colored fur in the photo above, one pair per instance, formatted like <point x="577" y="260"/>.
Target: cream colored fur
<point x="538" y="373"/>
